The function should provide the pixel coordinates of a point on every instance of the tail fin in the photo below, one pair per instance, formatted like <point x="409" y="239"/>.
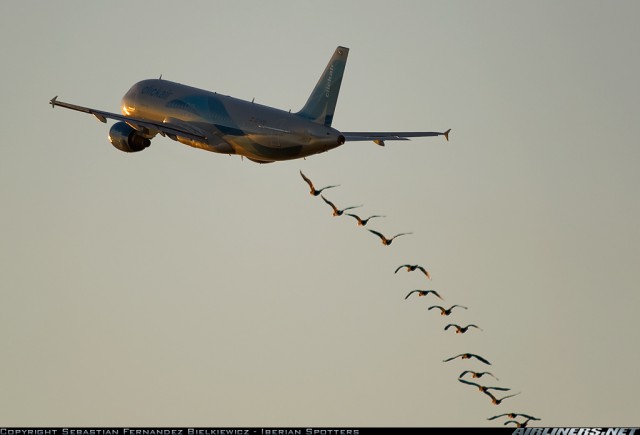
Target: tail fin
<point x="322" y="102"/>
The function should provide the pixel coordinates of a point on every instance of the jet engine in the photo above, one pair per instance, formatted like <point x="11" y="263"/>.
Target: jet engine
<point x="126" y="138"/>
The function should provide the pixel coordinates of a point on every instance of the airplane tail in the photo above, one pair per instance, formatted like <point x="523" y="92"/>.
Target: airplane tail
<point x="322" y="102"/>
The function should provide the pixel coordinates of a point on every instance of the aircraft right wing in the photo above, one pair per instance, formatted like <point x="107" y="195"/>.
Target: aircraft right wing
<point x="380" y="137"/>
<point x="169" y="129"/>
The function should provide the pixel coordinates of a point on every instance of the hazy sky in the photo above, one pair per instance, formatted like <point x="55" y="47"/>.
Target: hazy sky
<point x="180" y="287"/>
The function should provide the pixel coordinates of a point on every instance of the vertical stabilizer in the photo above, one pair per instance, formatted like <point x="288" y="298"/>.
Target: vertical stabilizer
<point x="322" y="102"/>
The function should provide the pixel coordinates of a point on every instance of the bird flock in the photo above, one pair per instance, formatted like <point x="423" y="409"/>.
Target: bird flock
<point x="496" y="394"/>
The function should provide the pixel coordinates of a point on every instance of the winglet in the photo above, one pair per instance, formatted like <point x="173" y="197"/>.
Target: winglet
<point x="53" y="101"/>
<point x="446" y="135"/>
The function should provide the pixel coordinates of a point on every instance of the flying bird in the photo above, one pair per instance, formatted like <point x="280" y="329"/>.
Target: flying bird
<point x="313" y="191"/>
<point x="518" y="423"/>
<point x="412" y="267"/>
<point x="461" y="329"/>
<point x="363" y="222"/>
<point x="468" y="356"/>
<point x="336" y="211"/>
<point x="386" y="241"/>
<point x="513" y="415"/>
<point x="483" y="388"/>
<point x="477" y="375"/>
<point x="497" y="401"/>
<point x="423" y="293"/>
<point x="446" y="311"/>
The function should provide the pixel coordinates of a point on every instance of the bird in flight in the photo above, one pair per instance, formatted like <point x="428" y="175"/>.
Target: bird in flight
<point x="513" y="415"/>
<point x="446" y="311"/>
<point x="386" y="241"/>
<point x="423" y="293"/>
<point x="497" y="401"/>
<point x="477" y="375"/>
<point x="518" y="423"/>
<point x="336" y="210"/>
<point x="461" y="329"/>
<point x="313" y="191"/>
<point x="468" y="356"/>
<point x="412" y="267"/>
<point x="483" y="388"/>
<point x="363" y="222"/>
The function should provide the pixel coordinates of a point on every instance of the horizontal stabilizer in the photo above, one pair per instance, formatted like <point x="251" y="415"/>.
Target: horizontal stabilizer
<point x="381" y="137"/>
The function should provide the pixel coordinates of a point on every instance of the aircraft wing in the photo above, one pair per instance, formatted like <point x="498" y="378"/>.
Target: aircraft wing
<point x="149" y="127"/>
<point x="380" y="137"/>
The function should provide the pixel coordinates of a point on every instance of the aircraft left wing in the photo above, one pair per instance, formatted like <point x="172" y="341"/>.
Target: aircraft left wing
<point x="137" y="123"/>
<point x="380" y="137"/>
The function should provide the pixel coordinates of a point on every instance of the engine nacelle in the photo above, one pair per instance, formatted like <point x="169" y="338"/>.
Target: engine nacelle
<point x="126" y="138"/>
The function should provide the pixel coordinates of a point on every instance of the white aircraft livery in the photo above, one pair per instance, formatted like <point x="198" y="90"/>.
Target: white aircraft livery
<point x="228" y="125"/>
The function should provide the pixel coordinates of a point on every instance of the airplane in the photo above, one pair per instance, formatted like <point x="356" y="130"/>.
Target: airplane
<point x="224" y="124"/>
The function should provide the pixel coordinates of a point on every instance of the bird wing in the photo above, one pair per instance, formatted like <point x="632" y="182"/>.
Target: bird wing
<point x="435" y="306"/>
<point x="510" y="395"/>
<point x="469" y="383"/>
<point x="453" y="306"/>
<point x="353" y="206"/>
<point x="326" y="187"/>
<point x="304" y="177"/>
<point x="354" y="216"/>
<point x="481" y="359"/>
<point x="424" y="271"/>
<point x="453" y="357"/>
<point x="499" y="388"/>
<point x="329" y="202"/>
<point x="488" y="393"/>
<point x="437" y="294"/>
<point x="400" y="267"/>
<point x="400" y="234"/>
<point x="377" y="234"/>
<point x="409" y="294"/>
<point x="450" y="325"/>
<point x="496" y="416"/>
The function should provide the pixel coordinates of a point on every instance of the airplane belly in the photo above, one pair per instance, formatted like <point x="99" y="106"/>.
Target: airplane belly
<point x="265" y="148"/>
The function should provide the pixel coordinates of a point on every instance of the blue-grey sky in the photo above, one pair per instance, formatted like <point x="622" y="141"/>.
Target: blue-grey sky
<point x="181" y="287"/>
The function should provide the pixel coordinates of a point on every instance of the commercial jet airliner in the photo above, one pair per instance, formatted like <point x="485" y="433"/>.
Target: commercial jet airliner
<point x="223" y="124"/>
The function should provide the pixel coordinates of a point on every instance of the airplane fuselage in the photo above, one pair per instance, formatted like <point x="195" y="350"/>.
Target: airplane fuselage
<point x="231" y="125"/>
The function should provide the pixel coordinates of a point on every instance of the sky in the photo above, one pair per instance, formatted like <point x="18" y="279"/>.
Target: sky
<point x="178" y="287"/>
